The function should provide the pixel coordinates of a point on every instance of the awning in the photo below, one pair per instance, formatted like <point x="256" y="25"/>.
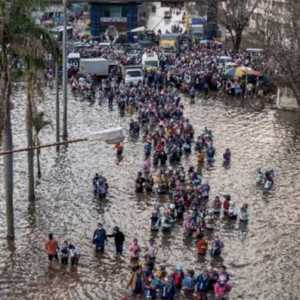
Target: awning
<point x="138" y="29"/>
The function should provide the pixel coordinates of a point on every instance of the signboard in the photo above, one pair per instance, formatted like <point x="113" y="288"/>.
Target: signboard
<point x="113" y="20"/>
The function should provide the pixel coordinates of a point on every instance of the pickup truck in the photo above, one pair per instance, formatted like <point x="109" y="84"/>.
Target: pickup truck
<point x="132" y="74"/>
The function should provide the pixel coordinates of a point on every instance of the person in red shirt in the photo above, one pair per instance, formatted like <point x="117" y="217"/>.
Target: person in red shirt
<point x="51" y="247"/>
<point x="201" y="245"/>
<point x="226" y="205"/>
<point x="119" y="151"/>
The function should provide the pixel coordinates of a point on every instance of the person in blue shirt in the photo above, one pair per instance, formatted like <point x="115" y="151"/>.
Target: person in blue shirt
<point x="167" y="290"/>
<point x="202" y="285"/>
<point x="99" y="238"/>
<point x="188" y="283"/>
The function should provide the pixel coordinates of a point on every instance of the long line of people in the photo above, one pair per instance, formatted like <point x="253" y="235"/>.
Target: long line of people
<point x="168" y="138"/>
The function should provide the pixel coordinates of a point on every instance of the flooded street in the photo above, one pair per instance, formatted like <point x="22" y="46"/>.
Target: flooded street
<point x="263" y="257"/>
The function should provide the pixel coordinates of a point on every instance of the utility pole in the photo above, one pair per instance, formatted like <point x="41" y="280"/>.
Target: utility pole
<point x="65" y="75"/>
<point x="57" y="106"/>
<point x="7" y="136"/>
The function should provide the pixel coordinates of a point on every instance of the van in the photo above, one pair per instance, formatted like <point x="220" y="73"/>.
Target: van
<point x="73" y="60"/>
<point x="255" y="51"/>
<point x="224" y="59"/>
<point x="150" y="61"/>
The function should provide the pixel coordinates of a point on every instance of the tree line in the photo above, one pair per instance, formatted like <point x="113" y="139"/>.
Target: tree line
<point x="275" y="28"/>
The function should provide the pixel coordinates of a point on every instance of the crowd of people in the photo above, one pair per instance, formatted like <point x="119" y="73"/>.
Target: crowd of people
<point x="67" y="253"/>
<point x="157" y="118"/>
<point x="196" y="69"/>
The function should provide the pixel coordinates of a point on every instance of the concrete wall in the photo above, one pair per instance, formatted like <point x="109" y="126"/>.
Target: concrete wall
<point x="286" y="100"/>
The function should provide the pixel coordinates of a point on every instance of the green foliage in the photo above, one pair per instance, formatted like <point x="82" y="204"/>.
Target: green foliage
<point x="25" y="45"/>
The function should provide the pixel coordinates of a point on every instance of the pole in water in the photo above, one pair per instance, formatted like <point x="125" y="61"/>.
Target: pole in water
<point x="65" y="75"/>
<point x="57" y="107"/>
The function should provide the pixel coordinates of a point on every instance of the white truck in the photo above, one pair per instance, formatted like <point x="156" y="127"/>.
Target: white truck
<point x="96" y="66"/>
<point x="133" y="74"/>
<point x="150" y="61"/>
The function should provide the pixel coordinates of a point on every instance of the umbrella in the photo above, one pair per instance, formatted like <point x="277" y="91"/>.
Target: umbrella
<point x="241" y="72"/>
<point x="230" y="72"/>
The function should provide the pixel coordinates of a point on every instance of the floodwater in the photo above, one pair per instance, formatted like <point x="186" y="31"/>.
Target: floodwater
<point x="262" y="257"/>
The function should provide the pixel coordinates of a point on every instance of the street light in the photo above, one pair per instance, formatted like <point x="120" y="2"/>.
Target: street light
<point x="65" y="75"/>
<point x="109" y="136"/>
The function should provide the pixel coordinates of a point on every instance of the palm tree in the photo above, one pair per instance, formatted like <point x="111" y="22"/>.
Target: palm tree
<point x="38" y="45"/>
<point x="18" y="35"/>
<point x="39" y="122"/>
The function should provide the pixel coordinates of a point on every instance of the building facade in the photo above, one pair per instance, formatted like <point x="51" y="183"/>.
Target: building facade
<point x="123" y="15"/>
<point x="269" y="12"/>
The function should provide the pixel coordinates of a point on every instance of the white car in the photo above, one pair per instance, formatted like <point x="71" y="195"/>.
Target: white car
<point x="133" y="76"/>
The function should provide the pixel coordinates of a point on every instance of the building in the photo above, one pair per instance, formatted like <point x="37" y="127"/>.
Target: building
<point x="268" y="12"/>
<point x="173" y="3"/>
<point x="123" y="15"/>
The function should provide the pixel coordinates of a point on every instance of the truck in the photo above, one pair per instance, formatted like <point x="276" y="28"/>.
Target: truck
<point x="169" y="42"/>
<point x="96" y="66"/>
<point x="197" y="31"/>
<point x="132" y="74"/>
<point x="150" y="61"/>
<point x="198" y="20"/>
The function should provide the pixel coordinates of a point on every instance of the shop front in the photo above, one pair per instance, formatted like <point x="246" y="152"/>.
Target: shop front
<point x="121" y="15"/>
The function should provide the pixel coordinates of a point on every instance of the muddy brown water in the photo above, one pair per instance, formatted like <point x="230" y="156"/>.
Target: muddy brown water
<point x="263" y="257"/>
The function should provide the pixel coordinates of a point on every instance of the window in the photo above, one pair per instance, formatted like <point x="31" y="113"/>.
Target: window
<point x="115" y="12"/>
<point x="124" y="12"/>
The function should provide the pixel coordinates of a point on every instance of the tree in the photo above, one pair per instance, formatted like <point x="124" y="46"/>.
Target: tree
<point x="7" y="36"/>
<point x="280" y="34"/>
<point x="38" y="45"/>
<point x="18" y="33"/>
<point x="236" y="17"/>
